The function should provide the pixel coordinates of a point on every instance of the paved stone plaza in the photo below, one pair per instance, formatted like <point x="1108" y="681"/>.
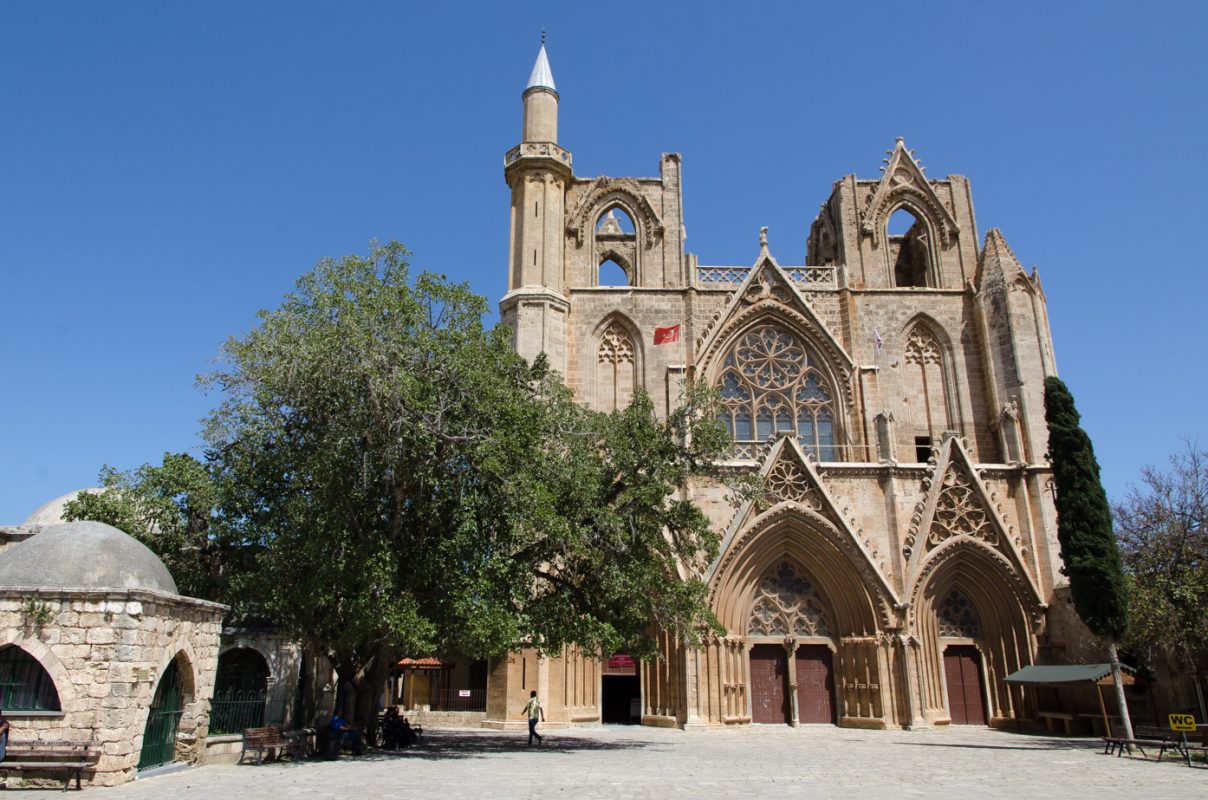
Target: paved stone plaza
<point x="618" y="763"/>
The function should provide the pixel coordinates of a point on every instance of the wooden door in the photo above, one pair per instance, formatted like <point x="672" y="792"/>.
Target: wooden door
<point x="966" y="696"/>
<point x="769" y="683"/>
<point x="815" y="684"/>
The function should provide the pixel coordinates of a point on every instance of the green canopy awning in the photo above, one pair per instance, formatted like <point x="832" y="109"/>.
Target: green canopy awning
<point x="1065" y="674"/>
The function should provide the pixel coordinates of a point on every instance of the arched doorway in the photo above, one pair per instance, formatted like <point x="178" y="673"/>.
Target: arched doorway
<point x="787" y="608"/>
<point x="159" y="737"/>
<point x="240" y="691"/>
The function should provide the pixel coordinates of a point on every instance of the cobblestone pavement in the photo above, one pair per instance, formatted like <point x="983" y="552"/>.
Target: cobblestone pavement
<point x="619" y="762"/>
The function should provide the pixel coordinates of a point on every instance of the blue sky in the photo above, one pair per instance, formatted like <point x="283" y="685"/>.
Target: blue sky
<point x="168" y="168"/>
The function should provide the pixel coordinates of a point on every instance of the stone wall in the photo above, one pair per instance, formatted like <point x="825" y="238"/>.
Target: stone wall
<point x="105" y="652"/>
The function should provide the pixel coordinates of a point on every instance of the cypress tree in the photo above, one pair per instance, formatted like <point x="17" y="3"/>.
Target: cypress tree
<point x="1084" y="530"/>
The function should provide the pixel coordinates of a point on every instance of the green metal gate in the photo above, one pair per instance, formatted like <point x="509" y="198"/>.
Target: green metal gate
<point x="159" y="738"/>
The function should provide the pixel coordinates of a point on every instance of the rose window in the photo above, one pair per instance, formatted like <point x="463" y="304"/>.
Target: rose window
<point x="770" y="387"/>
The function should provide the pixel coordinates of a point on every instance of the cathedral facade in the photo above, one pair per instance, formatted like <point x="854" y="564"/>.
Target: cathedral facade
<point x="889" y="392"/>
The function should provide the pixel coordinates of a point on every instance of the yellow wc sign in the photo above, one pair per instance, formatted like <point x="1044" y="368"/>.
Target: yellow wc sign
<point x="1182" y="722"/>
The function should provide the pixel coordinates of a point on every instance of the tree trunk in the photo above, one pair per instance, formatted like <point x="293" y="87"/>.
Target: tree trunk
<point x="1118" y="683"/>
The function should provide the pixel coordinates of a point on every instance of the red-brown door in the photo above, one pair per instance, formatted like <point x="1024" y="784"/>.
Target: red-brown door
<point x="769" y="682"/>
<point x="815" y="684"/>
<point x="966" y="697"/>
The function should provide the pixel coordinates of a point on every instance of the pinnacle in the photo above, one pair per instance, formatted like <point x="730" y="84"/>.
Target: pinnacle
<point x="998" y="261"/>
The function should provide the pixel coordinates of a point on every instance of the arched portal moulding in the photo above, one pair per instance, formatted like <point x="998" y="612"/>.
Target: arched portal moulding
<point x="862" y="604"/>
<point x="1011" y="616"/>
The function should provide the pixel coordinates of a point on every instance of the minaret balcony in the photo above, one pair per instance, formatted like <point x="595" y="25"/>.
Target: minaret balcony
<point x="537" y="150"/>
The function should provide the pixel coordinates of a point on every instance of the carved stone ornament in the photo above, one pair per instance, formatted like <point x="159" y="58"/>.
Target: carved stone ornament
<point x="616" y="345"/>
<point x="904" y="181"/>
<point x="786" y="481"/>
<point x="602" y="190"/>
<point x="957" y="618"/>
<point x="959" y="511"/>
<point x="787" y="605"/>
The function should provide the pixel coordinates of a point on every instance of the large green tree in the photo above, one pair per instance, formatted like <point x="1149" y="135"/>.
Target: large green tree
<point x="169" y="507"/>
<point x="1084" y="530"/>
<point x="417" y="487"/>
<point x="1163" y="530"/>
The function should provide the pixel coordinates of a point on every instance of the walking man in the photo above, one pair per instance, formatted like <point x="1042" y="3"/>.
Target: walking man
<point x="534" y="711"/>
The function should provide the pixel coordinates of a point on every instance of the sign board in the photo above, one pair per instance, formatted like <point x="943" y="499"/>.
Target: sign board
<point x="463" y="692"/>
<point x="1182" y="722"/>
<point x="620" y="664"/>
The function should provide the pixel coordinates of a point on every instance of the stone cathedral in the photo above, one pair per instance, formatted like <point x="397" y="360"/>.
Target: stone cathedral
<point x="890" y="393"/>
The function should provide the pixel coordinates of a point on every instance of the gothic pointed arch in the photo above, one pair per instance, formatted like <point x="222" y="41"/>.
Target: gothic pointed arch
<point x="797" y="515"/>
<point x="957" y="509"/>
<point x="604" y="194"/>
<point x="903" y="185"/>
<point x="779" y="369"/>
<point x="928" y="369"/>
<point x="617" y="362"/>
<point x="787" y="603"/>
<point x="967" y="592"/>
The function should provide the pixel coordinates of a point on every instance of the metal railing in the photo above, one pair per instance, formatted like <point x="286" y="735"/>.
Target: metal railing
<point x="232" y="711"/>
<point x="461" y="700"/>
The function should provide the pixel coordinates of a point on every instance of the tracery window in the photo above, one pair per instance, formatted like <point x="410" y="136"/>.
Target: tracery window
<point x="24" y="684"/>
<point x="616" y="368"/>
<point x="928" y="387"/>
<point x="958" y="618"/>
<point x="785" y="604"/>
<point x="771" y="387"/>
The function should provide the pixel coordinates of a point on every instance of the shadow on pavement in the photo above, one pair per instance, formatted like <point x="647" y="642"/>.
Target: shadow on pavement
<point x="444" y="745"/>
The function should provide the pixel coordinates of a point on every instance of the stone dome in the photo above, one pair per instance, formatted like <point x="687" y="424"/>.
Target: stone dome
<point x="51" y="512"/>
<point x="84" y="555"/>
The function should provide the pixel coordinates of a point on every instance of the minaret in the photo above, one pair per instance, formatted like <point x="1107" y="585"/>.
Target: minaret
<point x="538" y="171"/>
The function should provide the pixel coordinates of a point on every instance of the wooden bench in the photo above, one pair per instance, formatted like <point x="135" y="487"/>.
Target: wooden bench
<point x="1066" y="718"/>
<point x="1148" y="736"/>
<point x="71" y="757"/>
<point x="273" y="742"/>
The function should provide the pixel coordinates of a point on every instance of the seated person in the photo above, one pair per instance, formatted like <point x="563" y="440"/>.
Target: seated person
<point x="409" y="734"/>
<point x="392" y="729"/>
<point x="347" y="735"/>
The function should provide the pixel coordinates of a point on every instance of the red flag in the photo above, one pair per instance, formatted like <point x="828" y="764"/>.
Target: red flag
<point x="666" y="335"/>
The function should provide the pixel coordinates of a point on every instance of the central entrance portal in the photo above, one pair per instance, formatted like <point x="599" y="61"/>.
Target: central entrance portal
<point x="620" y="691"/>
<point x="769" y="684"/>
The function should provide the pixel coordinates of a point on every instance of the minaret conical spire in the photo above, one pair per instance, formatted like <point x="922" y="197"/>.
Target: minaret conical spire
<point x="541" y="76"/>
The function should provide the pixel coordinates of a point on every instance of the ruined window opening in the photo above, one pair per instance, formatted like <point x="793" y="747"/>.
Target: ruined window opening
<point x="909" y="249"/>
<point x="612" y="274"/>
<point x="615" y="222"/>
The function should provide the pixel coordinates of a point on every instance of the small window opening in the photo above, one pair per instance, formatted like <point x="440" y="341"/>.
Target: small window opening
<point x="535" y="207"/>
<point x="612" y="274"/>
<point x="922" y="449"/>
<point x="908" y="244"/>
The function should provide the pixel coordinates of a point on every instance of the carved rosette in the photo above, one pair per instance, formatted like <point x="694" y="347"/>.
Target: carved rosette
<point x="959" y="512"/>
<point x="786" y="481"/>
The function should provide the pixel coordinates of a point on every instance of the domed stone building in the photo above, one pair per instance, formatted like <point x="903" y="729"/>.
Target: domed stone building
<point x="97" y="644"/>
